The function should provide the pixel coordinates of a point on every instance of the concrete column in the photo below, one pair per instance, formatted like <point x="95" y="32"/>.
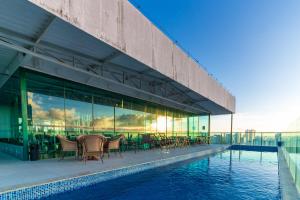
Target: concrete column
<point x="115" y="120"/>
<point x="93" y="128"/>
<point x="23" y="88"/>
<point x="188" y="126"/>
<point x="166" y="115"/>
<point x="173" y="126"/>
<point x="65" y="116"/>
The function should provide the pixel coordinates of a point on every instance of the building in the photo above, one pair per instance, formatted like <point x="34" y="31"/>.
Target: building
<point x="80" y="67"/>
<point x="250" y="136"/>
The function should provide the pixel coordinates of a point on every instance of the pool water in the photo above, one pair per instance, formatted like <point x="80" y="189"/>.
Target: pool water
<point x="230" y="175"/>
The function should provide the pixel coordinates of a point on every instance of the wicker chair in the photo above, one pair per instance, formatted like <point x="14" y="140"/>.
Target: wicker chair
<point x="92" y="146"/>
<point x="67" y="146"/>
<point x="79" y="140"/>
<point x="115" y="144"/>
<point x="165" y="142"/>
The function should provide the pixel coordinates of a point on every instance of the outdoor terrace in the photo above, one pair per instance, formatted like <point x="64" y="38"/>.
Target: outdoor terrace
<point x="15" y="173"/>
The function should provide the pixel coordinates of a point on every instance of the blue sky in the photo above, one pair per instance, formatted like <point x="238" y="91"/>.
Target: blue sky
<point x="251" y="47"/>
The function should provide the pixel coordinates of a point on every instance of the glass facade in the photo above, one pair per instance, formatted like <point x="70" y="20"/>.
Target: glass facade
<point x="103" y="118"/>
<point x="10" y="113"/>
<point x="78" y="113"/>
<point x="56" y="106"/>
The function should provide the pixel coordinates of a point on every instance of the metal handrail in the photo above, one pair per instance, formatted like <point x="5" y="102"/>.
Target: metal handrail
<point x="282" y="132"/>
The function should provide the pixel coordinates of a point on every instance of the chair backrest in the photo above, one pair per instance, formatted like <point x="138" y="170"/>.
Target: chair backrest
<point x="63" y="141"/>
<point x="115" y="143"/>
<point x="122" y="136"/>
<point x="119" y="137"/>
<point x="123" y="139"/>
<point x="93" y="143"/>
<point x="80" y="138"/>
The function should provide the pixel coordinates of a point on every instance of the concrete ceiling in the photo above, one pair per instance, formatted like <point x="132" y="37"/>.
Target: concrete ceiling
<point x="33" y="38"/>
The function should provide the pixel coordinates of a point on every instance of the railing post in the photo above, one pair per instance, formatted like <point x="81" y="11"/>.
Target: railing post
<point x="261" y="139"/>
<point x="296" y="167"/>
<point x="208" y="128"/>
<point x="231" y="129"/>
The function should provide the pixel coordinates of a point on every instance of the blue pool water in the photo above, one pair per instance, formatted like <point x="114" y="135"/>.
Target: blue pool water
<point x="230" y="175"/>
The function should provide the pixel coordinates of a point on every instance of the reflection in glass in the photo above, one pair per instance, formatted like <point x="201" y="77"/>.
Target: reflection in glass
<point x="161" y="124"/>
<point x="150" y="123"/>
<point x="129" y="121"/>
<point x="46" y="113"/>
<point x="184" y="129"/>
<point x="203" y="124"/>
<point x="193" y="126"/>
<point x="78" y="111"/>
<point x="177" y="126"/>
<point x="58" y="106"/>
<point x="103" y="118"/>
<point x="10" y="112"/>
<point x="170" y="126"/>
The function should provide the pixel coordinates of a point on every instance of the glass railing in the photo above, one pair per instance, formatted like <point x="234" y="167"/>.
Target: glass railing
<point x="291" y="151"/>
<point x="289" y="141"/>
<point x="220" y="138"/>
<point x="246" y="138"/>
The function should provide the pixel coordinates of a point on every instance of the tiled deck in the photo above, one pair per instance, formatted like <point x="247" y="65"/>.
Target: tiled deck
<point x="15" y="173"/>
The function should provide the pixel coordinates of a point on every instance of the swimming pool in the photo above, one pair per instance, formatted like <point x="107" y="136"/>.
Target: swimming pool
<point x="232" y="174"/>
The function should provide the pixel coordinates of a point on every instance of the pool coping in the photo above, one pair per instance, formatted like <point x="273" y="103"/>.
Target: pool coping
<point x="288" y="188"/>
<point x="254" y="148"/>
<point x="42" y="190"/>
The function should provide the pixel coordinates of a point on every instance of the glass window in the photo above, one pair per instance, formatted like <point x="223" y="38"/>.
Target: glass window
<point x="103" y="119"/>
<point x="170" y="124"/>
<point x="184" y="125"/>
<point x="177" y="125"/>
<point x="203" y="124"/>
<point x="129" y="121"/>
<point x="161" y="121"/>
<point x="150" y="123"/>
<point x="193" y="126"/>
<point x="78" y="111"/>
<point x="10" y="113"/>
<point x="45" y="114"/>
<point x="57" y="106"/>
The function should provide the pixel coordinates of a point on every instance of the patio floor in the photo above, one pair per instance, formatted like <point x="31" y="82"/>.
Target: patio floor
<point x="15" y="173"/>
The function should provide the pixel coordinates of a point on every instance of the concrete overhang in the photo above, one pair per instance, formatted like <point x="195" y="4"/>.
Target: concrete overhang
<point x="106" y="44"/>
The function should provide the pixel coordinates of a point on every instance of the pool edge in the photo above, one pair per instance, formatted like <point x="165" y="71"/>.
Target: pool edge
<point x="288" y="189"/>
<point x="43" y="190"/>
